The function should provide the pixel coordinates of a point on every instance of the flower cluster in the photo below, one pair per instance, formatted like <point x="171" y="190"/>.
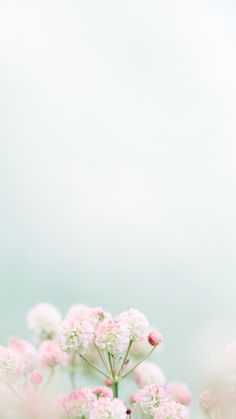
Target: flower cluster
<point x="156" y="402"/>
<point x="91" y="340"/>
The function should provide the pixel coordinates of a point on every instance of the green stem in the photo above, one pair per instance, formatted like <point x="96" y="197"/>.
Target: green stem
<point x="102" y="359"/>
<point x="136" y="365"/>
<point x="72" y="379"/>
<point x="115" y="389"/>
<point x="111" y="366"/>
<point x="94" y="366"/>
<point x="125" y="357"/>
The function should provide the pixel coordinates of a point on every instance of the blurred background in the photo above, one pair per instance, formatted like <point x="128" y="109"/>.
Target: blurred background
<point x="117" y="164"/>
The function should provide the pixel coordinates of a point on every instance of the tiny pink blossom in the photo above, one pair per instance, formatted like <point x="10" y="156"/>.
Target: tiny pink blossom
<point x="36" y="377"/>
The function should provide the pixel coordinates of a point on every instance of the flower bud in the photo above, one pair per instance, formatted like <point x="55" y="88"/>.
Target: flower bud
<point x="154" y="338"/>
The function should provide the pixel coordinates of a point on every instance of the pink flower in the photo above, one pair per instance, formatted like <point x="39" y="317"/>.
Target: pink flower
<point x="171" y="410"/>
<point x="149" y="398"/>
<point x="26" y="353"/>
<point x="51" y="355"/>
<point x="207" y="401"/>
<point x="11" y="366"/>
<point x="112" y="335"/>
<point x="102" y="391"/>
<point x="107" y="408"/>
<point x="77" y="404"/>
<point x="155" y="338"/>
<point x="36" y="377"/>
<point x="75" y="335"/>
<point x="148" y="373"/>
<point x="180" y="393"/>
<point x="137" y="324"/>
<point x="44" y="320"/>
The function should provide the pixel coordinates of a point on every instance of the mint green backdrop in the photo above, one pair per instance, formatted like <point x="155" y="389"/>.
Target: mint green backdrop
<point x="117" y="164"/>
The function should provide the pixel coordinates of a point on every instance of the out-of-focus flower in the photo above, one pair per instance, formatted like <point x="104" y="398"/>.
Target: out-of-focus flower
<point x="148" y="373"/>
<point x="207" y="401"/>
<point x="107" y="408"/>
<point x="26" y="352"/>
<point x="140" y="348"/>
<point x="76" y="405"/>
<point x="155" y="338"/>
<point x="10" y="366"/>
<point x="43" y="320"/>
<point x="137" y="324"/>
<point x="36" y="377"/>
<point x="180" y="393"/>
<point x="112" y="335"/>
<point x="51" y="355"/>
<point x="102" y="391"/>
<point x="171" y="410"/>
<point x="75" y="335"/>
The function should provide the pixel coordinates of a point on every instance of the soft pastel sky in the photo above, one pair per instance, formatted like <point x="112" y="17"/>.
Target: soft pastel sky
<point x="117" y="162"/>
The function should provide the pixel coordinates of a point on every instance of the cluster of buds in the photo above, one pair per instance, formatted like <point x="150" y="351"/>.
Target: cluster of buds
<point x="91" y="339"/>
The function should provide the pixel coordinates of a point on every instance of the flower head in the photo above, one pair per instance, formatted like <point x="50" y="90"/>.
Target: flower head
<point x="10" y="365"/>
<point x="148" y="373"/>
<point x="171" y="410"/>
<point x="136" y="322"/>
<point x="26" y="353"/>
<point x="107" y="408"/>
<point x="149" y="398"/>
<point x="43" y="320"/>
<point x="112" y="335"/>
<point x="76" y="405"/>
<point x="51" y="355"/>
<point x="75" y="335"/>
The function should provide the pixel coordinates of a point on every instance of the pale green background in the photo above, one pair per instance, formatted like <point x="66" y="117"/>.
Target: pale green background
<point x="118" y="163"/>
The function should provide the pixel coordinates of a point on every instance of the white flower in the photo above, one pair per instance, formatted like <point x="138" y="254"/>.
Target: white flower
<point x="44" y="320"/>
<point x="171" y="410"/>
<point x="137" y="324"/>
<point x="107" y="408"/>
<point x="75" y="335"/>
<point x="10" y="365"/>
<point x="112" y="335"/>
